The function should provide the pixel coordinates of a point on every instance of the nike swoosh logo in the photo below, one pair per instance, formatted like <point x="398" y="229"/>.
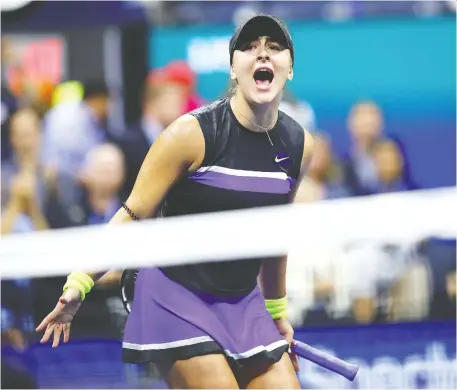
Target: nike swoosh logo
<point x="280" y="159"/>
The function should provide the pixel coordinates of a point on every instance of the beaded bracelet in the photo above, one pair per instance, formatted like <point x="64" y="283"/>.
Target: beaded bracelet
<point x="130" y="212"/>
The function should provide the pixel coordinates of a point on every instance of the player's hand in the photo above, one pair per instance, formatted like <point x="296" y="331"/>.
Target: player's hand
<point x="286" y="330"/>
<point x="59" y="320"/>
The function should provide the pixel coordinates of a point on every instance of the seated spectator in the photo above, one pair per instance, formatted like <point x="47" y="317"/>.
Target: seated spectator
<point x="9" y="102"/>
<point x="25" y="182"/>
<point x="30" y="189"/>
<point x="73" y="128"/>
<point x="102" y="177"/>
<point x="299" y="110"/>
<point x="390" y="164"/>
<point x="8" y="106"/>
<point x="23" y="191"/>
<point x="163" y="103"/>
<point x="366" y="125"/>
<point x="371" y="272"/>
<point x="451" y="291"/>
<point x="366" y="173"/>
<point x="441" y="255"/>
<point x="180" y="74"/>
<point x="324" y="176"/>
<point x="364" y="282"/>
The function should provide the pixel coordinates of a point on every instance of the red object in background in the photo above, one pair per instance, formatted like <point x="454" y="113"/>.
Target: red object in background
<point x="176" y="72"/>
<point x="43" y="60"/>
<point x="194" y="102"/>
<point x="180" y="73"/>
<point x="157" y="76"/>
<point x="37" y="68"/>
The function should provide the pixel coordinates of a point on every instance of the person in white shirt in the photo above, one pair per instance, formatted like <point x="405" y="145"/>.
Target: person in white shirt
<point x="73" y="128"/>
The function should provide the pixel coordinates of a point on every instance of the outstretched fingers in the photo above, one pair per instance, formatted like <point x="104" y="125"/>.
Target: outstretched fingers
<point x="48" y="332"/>
<point x="57" y="333"/>
<point x="45" y="323"/>
<point x="66" y="332"/>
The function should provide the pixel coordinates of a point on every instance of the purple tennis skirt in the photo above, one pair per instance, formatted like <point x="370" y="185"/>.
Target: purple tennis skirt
<point x="168" y="322"/>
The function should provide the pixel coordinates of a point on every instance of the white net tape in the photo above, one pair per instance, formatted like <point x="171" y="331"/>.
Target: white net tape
<point x="229" y="235"/>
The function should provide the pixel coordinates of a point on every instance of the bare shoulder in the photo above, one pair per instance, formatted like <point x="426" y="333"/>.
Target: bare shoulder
<point x="184" y="129"/>
<point x="185" y="136"/>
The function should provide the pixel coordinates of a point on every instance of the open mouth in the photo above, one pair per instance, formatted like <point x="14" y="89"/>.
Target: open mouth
<point x="263" y="76"/>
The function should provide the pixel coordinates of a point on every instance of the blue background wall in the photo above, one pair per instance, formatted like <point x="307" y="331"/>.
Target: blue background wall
<point x="410" y="355"/>
<point x="407" y="65"/>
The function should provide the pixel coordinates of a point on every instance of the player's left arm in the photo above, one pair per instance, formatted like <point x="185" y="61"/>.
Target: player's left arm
<point x="273" y="272"/>
<point x="308" y="149"/>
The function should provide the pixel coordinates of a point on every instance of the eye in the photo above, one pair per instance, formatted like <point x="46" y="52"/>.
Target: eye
<point x="249" y="46"/>
<point x="275" y="47"/>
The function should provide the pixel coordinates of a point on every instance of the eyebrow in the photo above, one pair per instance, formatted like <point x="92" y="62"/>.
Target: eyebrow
<point x="268" y="40"/>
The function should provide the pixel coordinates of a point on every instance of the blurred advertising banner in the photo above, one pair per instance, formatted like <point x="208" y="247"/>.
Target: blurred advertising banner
<point x="36" y="63"/>
<point x="33" y="65"/>
<point x="55" y="56"/>
<point x="394" y="356"/>
<point x="36" y="57"/>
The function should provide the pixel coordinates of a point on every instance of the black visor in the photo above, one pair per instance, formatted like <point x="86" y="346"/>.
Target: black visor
<point x="259" y="26"/>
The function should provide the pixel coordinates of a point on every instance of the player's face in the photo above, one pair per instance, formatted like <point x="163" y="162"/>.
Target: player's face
<point x="261" y="68"/>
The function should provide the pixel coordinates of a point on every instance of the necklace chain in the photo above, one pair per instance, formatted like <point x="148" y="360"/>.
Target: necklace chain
<point x="267" y="132"/>
<point x="265" y="129"/>
<point x="269" y="139"/>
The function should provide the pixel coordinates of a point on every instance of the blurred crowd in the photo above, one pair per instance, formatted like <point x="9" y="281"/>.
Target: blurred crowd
<point x="63" y="166"/>
<point x="373" y="282"/>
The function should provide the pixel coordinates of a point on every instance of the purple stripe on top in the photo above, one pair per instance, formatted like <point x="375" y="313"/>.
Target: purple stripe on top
<point x="271" y="185"/>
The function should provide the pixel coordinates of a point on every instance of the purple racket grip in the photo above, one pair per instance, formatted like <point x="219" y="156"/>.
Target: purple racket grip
<point x="332" y="363"/>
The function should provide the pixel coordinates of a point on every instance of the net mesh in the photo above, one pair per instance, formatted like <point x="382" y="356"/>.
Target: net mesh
<point x="386" y="260"/>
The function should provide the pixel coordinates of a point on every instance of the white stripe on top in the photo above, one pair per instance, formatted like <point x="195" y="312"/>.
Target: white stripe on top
<point x="242" y="172"/>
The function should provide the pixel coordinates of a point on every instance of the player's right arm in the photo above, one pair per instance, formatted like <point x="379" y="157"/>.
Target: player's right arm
<point x="178" y="150"/>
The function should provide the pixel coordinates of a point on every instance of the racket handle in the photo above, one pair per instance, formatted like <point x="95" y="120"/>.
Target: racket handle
<point x="332" y="363"/>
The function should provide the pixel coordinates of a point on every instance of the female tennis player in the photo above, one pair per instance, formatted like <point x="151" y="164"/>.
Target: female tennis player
<point x="222" y="324"/>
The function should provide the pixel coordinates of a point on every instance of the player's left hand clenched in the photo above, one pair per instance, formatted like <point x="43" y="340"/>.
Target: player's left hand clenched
<point x="286" y="330"/>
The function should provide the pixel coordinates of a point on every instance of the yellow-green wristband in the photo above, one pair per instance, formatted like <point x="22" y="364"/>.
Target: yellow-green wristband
<point x="277" y="307"/>
<point x="80" y="281"/>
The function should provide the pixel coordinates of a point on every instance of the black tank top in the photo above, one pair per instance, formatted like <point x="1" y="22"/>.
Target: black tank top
<point x="238" y="172"/>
